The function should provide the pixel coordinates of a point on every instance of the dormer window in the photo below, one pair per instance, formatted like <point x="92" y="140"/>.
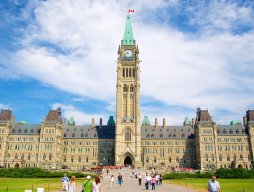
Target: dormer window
<point x="218" y="131"/>
<point x="231" y="131"/>
<point x="147" y="135"/>
<point x="19" y="131"/>
<point x="13" y="131"/>
<point x="31" y="131"/>
<point x="73" y="134"/>
<point x="25" y="131"/>
<point x="152" y="135"/>
<point x="161" y="135"/>
<point x="95" y="135"/>
<point x="82" y="134"/>
<point x="64" y="134"/>
<point x="86" y="135"/>
<point x="243" y="131"/>
<point x="224" y="131"/>
<point x="237" y="131"/>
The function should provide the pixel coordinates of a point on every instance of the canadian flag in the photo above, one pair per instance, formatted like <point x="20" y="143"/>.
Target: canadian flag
<point x="131" y="10"/>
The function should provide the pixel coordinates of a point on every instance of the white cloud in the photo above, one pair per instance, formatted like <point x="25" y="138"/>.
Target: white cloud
<point x="79" y="116"/>
<point x="72" y="45"/>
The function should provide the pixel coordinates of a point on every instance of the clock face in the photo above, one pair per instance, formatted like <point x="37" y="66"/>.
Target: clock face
<point x="127" y="53"/>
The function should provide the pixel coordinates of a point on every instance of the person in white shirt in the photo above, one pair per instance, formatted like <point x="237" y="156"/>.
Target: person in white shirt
<point x="213" y="185"/>
<point x="111" y="181"/>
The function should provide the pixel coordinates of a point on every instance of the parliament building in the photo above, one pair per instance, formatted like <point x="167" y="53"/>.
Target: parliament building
<point x="55" y="143"/>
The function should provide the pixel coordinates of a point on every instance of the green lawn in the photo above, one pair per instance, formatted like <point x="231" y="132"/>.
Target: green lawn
<point x="228" y="185"/>
<point x="19" y="184"/>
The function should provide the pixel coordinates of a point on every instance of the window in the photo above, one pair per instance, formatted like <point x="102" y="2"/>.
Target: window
<point x="131" y="88"/>
<point x="169" y="159"/>
<point x="128" y="135"/>
<point x="123" y="72"/>
<point x="228" y="158"/>
<point x="177" y="160"/>
<point x="133" y="72"/>
<point x="44" y="157"/>
<point x="125" y="88"/>
<point x="206" y="157"/>
<point x="241" y="157"/>
<point x="72" y="159"/>
<point x="28" y="157"/>
<point x="73" y="134"/>
<point x="220" y="158"/>
<point x="79" y="159"/>
<point x="50" y="156"/>
<point x="237" y="131"/>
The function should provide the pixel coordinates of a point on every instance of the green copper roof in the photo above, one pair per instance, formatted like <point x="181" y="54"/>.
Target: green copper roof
<point x="128" y="38"/>
<point x="186" y="121"/>
<point x="234" y="122"/>
<point x="71" y="121"/>
<point x="145" y="121"/>
<point x="111" y="121"/>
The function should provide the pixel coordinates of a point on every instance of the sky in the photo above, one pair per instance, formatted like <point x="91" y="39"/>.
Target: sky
<point x="63" y="53"/>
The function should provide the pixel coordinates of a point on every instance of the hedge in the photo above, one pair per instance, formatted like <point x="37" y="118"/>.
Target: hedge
<point x="37" y="173"/>
<point x="220" y="173"/>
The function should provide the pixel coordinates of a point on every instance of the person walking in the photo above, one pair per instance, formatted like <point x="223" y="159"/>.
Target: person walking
<point x="72" y="184"/>
<point x="160" y="180"/>
<point x="65" y="182"/>
<point x="97" y="185"/>
<point x="153" y="182"/>
<point x="157" y="179"/>
<point x="139" y="179"/>
<point x="213" y="185"/>
<point x="120" y="179"/>
<point x="87" y="185"/>
<point x="147" y="180"/>
<point x="111" y="181"/>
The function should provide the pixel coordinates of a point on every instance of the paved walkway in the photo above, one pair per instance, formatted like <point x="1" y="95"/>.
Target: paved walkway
<point x="131" y="185"/>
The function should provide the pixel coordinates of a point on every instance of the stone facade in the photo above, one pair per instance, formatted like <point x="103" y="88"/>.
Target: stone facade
<point x="55" y="144"/>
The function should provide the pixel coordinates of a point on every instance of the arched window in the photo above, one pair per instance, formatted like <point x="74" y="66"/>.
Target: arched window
<point x="125" y="88"/>
<point x="228" y="158"/>
<point x="169" y="159"/>
<point x="129" y="72"/>
<point x="206" y="157"/>
<point x="50" y="156"/>
<point x="44" y="156"/>
<point x="28" y="157"/>
<point x="128" y="135"/>
<point x="154" y="159"/>
<point x="220" y="158"/>
<point x="72" y="159"/>
<point x="212" y="157"/>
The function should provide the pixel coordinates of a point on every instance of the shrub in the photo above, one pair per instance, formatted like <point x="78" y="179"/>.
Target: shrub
<point x="37" y="173"/>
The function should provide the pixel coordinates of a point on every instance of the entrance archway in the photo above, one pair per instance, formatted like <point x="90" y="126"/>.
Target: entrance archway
<point x="16" y="165"/>
<point x="127" y="161"/>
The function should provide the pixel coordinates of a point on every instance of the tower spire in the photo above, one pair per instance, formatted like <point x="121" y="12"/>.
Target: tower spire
<point x="128" y="38"/>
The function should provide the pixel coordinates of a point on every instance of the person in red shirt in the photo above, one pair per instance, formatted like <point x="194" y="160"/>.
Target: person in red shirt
<point x="153" y="182"/>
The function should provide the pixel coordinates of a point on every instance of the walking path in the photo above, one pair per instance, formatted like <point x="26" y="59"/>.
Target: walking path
<point x="131" y="185"/>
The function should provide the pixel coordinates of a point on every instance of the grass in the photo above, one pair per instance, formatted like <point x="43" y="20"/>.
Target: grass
<point x="20" y="184"/>
<point x="228" y="185"/>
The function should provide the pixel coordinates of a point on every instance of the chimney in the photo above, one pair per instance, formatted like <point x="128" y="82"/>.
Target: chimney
<point x="164" y="123"/>
<point x="156" y="123"/>
<point x="92" y="123"/>
<point x="244" y="121"/>
<point x="100" y="122"/>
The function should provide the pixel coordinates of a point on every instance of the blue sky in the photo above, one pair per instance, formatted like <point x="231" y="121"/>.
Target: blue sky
<point x="63" y="53"/>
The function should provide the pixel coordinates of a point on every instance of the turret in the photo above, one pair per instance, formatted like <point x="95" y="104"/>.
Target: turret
<point x="164" y="123"/>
